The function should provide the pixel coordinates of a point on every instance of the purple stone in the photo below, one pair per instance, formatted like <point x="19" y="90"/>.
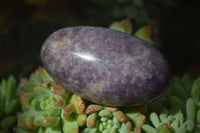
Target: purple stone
<point x="105" y="66"/>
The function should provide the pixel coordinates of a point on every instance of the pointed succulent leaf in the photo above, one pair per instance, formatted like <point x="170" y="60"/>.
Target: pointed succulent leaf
<point x="163" y="115"/>
<point x="179" y="117"/>
<point x="190" y="109"/>
<point x="26" y="87"/>
<point x="24" y="121"/>
<point x="70" y="126"/>
<point x="58" y="90"/>
<point x="105" y="113"/>
<point x="135" y="117"/>
<point x="148" y="129"/>
<point x="175" y="124"/>
<point x="39" y="76"/>
<point x="198" y="116"/>
<point x="116" y="122"/>
<point x="164" y="128"/>
<point x="3" y="92"/>
<point x="60" y="101"/>
<point x="68" y="111"/>
<point x="93" y="108"/>
<point x="43" y="75"/>
<point x="139" y="120"/>
<point x="78" y="103"/>
<point x="181" y="130"/>
<point x="10" y="91"/>
<point x="189" y="125"/>
<point x="123" y="26"/>
<point x="144" y="33"/>
<point x="170" y="119"/>
<point x="91" y="120"/>
<point x="120" y="116"/>
<point x="125" y="128"/>
<point x="196" y="90"/>
<point x="111" y="109"/>
<point x="81" y="119"/>
<point x="9" y="104"/>
<point x="13" y="106"/>
<point x="155" y="119"/>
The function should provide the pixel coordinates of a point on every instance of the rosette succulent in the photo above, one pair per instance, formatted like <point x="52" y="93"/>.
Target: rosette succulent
<point x="112" y="120"/>
<point x="168" y="123"/>
<point x="9" y="104"/>
<point x="47" y="107"/>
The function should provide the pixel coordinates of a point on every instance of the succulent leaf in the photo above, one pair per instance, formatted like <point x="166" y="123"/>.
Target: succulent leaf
<point x="120" y="116"/>
<point x="144" y="33"/>
<point x="168" y="123"/>
<point x="9" y="104"/>
<point x="148" y="129"/>
<point x="70" y="126"/>
<point x="93" y="108"/>
<point x="190" y="109"/>
<point x="123" y="26"/>
<point x="196" y="90"/>
<point x="91" y="120"/>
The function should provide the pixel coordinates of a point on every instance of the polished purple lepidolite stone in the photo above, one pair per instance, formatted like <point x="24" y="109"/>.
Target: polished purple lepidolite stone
<point x="105" y="66"/>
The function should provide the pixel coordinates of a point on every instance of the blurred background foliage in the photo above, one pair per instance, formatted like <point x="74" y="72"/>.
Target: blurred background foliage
<point x="25" y="24"/>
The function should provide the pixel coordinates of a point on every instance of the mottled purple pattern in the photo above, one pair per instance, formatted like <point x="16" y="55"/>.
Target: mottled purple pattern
<point x="105" y="66"/>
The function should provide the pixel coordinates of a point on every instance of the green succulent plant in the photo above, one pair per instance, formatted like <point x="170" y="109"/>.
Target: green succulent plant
<point x="183" y="94"/>
<point x="112" y="120"/>
<point x="47" y="107"/>
<point x="178" y="91"/>
<point x="193" y="105"/>
<point x="123" y="26"/>
<point x="9" y="104"/>
<point x="168" y="123"/>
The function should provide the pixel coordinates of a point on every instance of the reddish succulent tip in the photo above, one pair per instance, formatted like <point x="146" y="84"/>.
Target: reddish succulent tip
<point x="91" y="120"/>
<point x="29" y="122"/>
<point x="60" y="101"/>
<point x="80" y="105"/>
<point x="129" y="126"/>
<point x="93" y="108"/>
<point x="58" y="90"/>
<point x="120" y="116"/>
<point x="68" y="110"/>
<point x="50" y="121"/>
<point x="111" y="109"/>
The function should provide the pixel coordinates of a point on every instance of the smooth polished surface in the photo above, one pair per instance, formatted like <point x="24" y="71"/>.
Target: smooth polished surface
<point x="105" y="66"/>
